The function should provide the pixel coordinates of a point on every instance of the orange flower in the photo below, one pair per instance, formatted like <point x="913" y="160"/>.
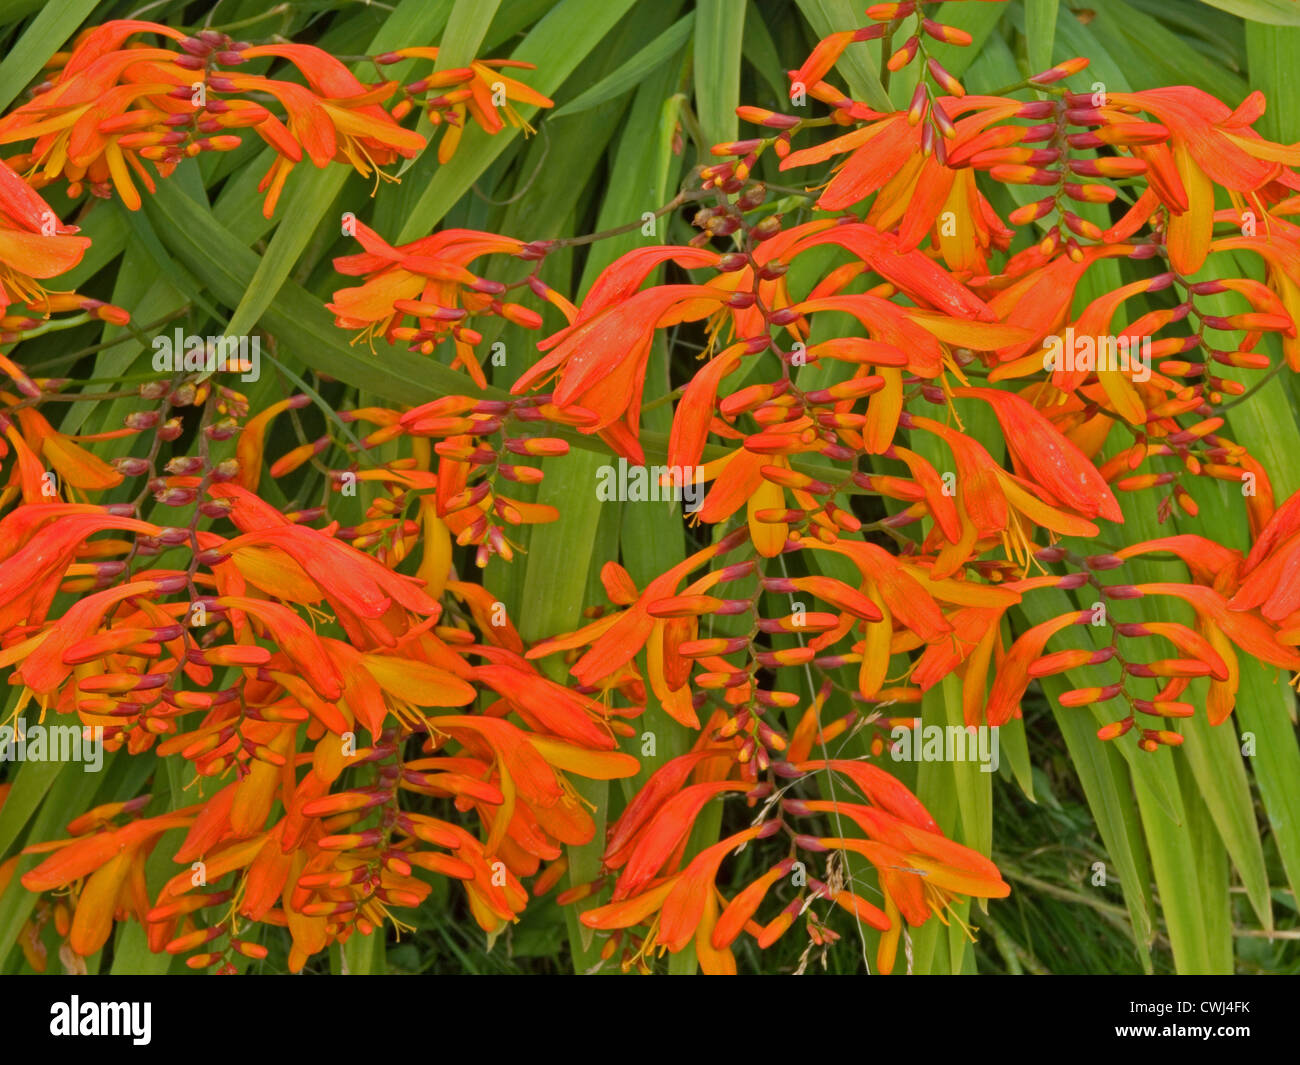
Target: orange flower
<point x="599" y="360"/>
<point x="111" y="864"/>
<point x="912" y="272"/>
<point x="477" y="90"/>
<point x="687" y="905"/>
<point x="335" y="118"/>
<point x="914" y="186"/>
<point x="1270" y="575"/>
<point x="77" y="470"/>
<point x="990" y="503"/>
<point x="921" y="872"/>
<point x="34" y="243"/>
<point x="37" y="544"/>
<point x="426" y="280"/>
<point x="106" y="110"/>
<point x="111" y="108"/>
<point x="615" y="640"/>
<point x="1061" y="473"/>
<point x="1211" y="144"/>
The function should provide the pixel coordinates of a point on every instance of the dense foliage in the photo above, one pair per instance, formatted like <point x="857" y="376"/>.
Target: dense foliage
<point x="737" y="486"/>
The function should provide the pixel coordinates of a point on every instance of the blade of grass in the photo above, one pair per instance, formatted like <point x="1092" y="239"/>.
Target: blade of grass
<point x="759" y="51"/>
<point x="555" y="584"/>
<point x="513" y="19"/>
<point x="1273" y="54"/>
<point x="719" y="31"/>
<point x="635" y="70"/>
<point x="1269" y="12"/>
<point x="1040" y="32"/>
<point x="466" y="28"/>
<point x="58" y="20"/>
<point x="1108" y="790"/>
<point x="30" y="786"/>
<point x="1158" y="56"/>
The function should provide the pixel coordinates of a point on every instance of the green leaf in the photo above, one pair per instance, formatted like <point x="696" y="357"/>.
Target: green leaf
<point x="60" y="801"/>
<point x="48" y="31"/>
<point x="1274" y="57"/>
<point x="1215" y="762"/>
<point x="1177" y="869"/>
<point x="310" y="197"/>
<point x="979" y="20"/>
<point x="719" y="32"/>
<point x="512" y="20"/>
<point x="1015" y="749"/>
<point x="760" y="52"/>
<point x="635" y="70"/>
<point x="1213" y="873"/>
<point x="364" y="954"/>
<point x="1157" y="55"/>
<point x="1105" y="771"/>
<point x="555" y="585"/>
<point x="30" y="785"/>
<point x="1270" y="12"/>
<point x="1040" y="31"/>
<point x="1106" y="785"/>
<point x="1265" y="709"/>
<point x="466" y="28"/>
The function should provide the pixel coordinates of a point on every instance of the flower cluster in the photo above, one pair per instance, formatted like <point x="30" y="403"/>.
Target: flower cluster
<point x="910" y="423"/>
<point x="114" y="105"/>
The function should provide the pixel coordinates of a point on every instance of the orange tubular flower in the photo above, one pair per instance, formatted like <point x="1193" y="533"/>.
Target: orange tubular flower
<point x="1210" y="144"/>
<point x="34" y="244"/>
<point x="599" y="360"/>
<point x="478" y="90"/>
<point x="915" y="188"/>
<point x="616" y="640"/>
<point x="918" y="885"/>
<point x="920" y="871"/>
<point x="78" y="470"/>
<point x="336" y="118"/>
<point x="118" y="658"/>
<point x="105" y="110"/>
<point x="1269" y="574"/>
<point x="113" y="107"/>
<point x="111" y="864"/>
<point x="426" y="280"/>
<point x="1061" y="473"/>
<point x="991" y="503"/>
